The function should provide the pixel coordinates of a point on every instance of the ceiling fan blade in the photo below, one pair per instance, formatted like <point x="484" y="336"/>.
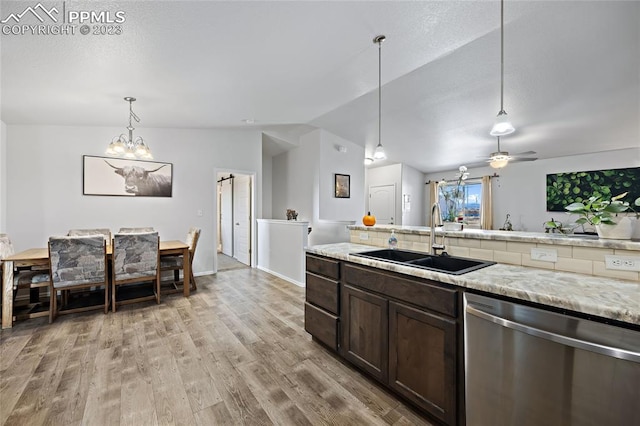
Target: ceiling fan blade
<point x="520" y="154"/>
<point x="516" y="160"/>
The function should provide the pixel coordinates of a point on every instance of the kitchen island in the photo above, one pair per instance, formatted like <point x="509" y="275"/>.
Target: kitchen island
<point x="404" y="326"/>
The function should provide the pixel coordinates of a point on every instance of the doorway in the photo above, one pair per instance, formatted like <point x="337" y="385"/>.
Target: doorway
<point x="234" y="219"/>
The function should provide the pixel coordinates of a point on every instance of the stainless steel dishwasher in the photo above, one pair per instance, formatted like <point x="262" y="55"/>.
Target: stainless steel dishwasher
<point x="528" y="366"/>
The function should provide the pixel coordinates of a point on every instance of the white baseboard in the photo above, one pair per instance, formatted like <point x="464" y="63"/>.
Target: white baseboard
<point x="291" y="280"/>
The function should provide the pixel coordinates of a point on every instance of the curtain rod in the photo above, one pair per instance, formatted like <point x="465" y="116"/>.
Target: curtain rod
<point x="495" y="175"/>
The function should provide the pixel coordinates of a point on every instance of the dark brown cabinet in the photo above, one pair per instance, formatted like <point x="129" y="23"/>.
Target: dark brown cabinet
<point x="402" y="331"/>
<point x="364" y="331"/>
<point x="321" y="308"/>
<point x="422" y="359"/>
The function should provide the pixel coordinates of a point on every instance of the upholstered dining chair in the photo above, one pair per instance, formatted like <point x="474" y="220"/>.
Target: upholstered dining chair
<point x="136" y="230"/>
<point x="77" y="262"/>
<point x="135" y="260"/>
<point x="175" y="262"/>
<point x="24" y="279"/>
<point x="105" y="232"/>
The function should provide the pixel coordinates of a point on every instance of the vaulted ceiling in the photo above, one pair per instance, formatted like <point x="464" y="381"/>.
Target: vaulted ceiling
<point x="572" y="73"/>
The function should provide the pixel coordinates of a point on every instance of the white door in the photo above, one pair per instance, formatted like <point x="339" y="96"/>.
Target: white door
<point x="382" y="203"/>
<point x="226" y="216"/>
<point x="242" y="218"/>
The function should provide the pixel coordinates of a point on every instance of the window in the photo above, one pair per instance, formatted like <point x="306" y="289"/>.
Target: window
<point x="462" y="202"/>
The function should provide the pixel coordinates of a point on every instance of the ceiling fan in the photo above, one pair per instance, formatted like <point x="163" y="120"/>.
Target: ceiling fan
<point x="499" y="159"/>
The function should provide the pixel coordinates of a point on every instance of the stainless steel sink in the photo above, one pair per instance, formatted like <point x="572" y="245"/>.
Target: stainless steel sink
<point x="443" y="263"/>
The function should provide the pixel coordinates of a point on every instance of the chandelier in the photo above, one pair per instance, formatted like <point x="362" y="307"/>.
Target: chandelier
<point x="120" y="146"/>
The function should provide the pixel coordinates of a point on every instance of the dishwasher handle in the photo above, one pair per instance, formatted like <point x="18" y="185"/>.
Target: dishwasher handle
<point x="554" y="337"/>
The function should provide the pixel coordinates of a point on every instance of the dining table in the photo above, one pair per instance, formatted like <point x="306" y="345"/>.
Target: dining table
<point x="39" y="257"/>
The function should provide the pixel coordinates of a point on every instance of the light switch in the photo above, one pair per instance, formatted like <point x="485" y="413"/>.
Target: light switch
<point x="199" y="212"/>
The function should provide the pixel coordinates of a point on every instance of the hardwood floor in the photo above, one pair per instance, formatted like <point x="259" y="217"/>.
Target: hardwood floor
<point x="233" y="353"/>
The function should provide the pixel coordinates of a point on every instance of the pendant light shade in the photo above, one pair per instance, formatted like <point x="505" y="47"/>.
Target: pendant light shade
<point x="502" y="125"/>
<point x="379" y="153"/>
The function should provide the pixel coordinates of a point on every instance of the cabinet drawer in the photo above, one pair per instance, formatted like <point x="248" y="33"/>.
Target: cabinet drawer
<point x="321" y="325"/>
<point x="321" y="266"/>
<point x="322" y="292"/>
<point x="415" y="291"/>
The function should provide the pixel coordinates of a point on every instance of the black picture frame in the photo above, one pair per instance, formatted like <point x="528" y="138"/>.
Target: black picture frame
<point x="108" y="176"/>
<point x="342" y="185"/>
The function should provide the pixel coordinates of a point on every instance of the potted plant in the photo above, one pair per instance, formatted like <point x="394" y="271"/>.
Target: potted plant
<point x="453" y="196"/>
<point x="600" y="213"/>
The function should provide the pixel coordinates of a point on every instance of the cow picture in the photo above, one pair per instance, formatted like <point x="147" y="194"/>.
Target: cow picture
<point x="115" y="176"/>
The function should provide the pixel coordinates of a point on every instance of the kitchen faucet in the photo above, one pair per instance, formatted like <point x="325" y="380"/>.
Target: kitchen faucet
<point x="432" y="235"/>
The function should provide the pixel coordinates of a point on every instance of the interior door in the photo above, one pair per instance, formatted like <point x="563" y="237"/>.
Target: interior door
<point x="242" y="218"/>
<point x="382" y="203"/>
<point x="226" y="216"/>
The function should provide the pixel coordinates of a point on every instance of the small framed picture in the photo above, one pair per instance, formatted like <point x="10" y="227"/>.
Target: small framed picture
<point x="343" y="186"/>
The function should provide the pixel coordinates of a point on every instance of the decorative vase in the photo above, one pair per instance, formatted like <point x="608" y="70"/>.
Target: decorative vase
<point x="452" y="226"/>
<point x="622" y="230"/>
<point x="635" y="221"/>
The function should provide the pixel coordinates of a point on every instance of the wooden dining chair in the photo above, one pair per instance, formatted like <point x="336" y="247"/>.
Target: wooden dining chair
<point x="135" y="260"/>
<point x="78" y="262"/>
<point x="24" y="278"/>
<point x="175" y="262"/>
<point x="105" y="232"/>
<point x="136" y="230"/>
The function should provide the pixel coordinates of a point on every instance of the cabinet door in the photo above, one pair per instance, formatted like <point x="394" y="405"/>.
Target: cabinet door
<point x="422" y="359"/>
<point x="365" y="331"/>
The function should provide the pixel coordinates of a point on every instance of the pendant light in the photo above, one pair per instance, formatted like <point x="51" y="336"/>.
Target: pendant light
<point x="379" y="153"/>
<point x="502" y="125"/>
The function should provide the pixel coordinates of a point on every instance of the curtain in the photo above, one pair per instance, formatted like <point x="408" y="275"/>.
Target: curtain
<point x="486" y="207"/>
<point x="433" y="198"/>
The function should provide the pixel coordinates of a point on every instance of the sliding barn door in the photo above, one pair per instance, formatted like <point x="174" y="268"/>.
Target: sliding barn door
<point x="242" y="219"/>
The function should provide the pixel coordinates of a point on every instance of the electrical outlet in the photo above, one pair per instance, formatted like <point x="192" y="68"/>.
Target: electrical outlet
<point x="544" y="255"/>
<point x="622" y="263"/>
<point x="364" y="236"/>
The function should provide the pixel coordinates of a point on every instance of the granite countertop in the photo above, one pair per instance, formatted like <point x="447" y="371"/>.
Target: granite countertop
<point x="603" y="297"/>
<point x="519" y="236"/>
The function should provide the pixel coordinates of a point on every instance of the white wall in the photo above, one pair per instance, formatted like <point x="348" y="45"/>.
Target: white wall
<point x="349" y="163"/>
<point x="520" y="189"/>
<point x="413" y="183"/>
<point x="44" y="183"/>
<point x="267" y="186"/>
<point x="303" y="181"/>
<point x="3" y="177"/>
<point x="386" y="175"/>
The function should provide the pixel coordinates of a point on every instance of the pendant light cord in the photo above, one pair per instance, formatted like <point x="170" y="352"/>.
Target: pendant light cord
<point x="380" y="91"/>
<point x="501" y="55"/>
